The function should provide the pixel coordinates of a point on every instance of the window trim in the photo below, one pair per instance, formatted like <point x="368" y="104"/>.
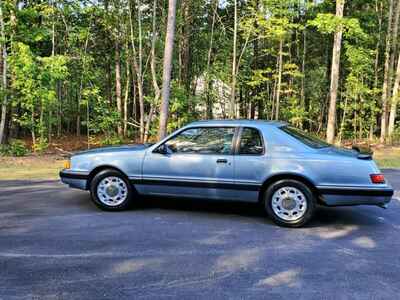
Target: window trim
<point x="234" y="139"/>
<point x="239" y="138"/>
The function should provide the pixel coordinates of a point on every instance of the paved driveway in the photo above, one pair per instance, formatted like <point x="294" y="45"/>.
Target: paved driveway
<point x="54" y="244"/>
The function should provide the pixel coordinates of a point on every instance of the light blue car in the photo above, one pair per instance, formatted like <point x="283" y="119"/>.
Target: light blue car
<point x="286" y="170"/>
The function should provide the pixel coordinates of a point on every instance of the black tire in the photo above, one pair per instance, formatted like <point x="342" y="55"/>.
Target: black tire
<point x="96" y="181"/>
<point x="309" y="198"/>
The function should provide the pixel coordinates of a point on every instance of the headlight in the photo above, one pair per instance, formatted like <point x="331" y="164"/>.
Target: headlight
<point x="67" y="164"/>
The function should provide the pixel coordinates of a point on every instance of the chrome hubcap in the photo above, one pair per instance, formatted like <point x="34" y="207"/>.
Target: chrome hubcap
<point x="112" y="191"/>
<point x="289" y="203"/>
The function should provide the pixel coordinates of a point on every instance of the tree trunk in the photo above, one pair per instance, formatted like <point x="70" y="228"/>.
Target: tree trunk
<point x="185" y="46"/>
<point x="126" y="99"/>
<point x="118" y="86"/>
<point x="53" y="52"/>
<point x="378" y="10"/>
<point x="343" y="120"/>
<point x="393" y="107"/>
<point x="138" y="67"/>
<point x="147" y="129"/>
<point x="256" y="66"/>
<point x="59" y="108"/>
<point x="167" y="68"/>
<point x="233" y="82"/>
<point x="33" y="127"/>
<point x="207" y="83"/>
<point x="78" y="117"/>
<point x="11" y="126"/>
<point x="4" y="78"/>
<point x="385" y="88"/>
<point x="157" y="92"/>
<point x="394" y="43"/>
<point x="337" y="44"/>
<point x="78" y="113"/>
<point x="278" y="87"/>
<point x="303" y="73"/>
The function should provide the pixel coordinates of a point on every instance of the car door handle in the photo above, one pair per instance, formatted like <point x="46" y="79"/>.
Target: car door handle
<point x="222" y="161"/>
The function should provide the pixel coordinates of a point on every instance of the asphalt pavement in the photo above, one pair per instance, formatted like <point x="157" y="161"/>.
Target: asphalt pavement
<point x="55" y="244"/>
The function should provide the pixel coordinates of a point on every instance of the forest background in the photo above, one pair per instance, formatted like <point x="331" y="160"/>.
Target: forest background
<point x="77" y="74"/>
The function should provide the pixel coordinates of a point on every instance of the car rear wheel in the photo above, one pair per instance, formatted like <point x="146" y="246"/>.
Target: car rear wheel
<point x="289" y="203"/>
<point x="110" y="190"/>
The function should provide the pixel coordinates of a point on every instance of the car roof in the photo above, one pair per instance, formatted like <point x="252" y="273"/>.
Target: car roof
<point x="237" y="122"/>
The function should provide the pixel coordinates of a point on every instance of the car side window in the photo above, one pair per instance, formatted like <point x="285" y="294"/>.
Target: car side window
<point x="203" y="140"/>
<point x="250" y="142"/>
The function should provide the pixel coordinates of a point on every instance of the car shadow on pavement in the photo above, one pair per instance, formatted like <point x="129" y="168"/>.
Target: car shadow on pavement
<point x="202" y="206"/>
<point x="323" y="216"/>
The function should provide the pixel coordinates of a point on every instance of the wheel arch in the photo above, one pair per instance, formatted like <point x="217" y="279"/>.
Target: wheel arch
<point x="301" y="178"/>
<point x="98" y="169"/>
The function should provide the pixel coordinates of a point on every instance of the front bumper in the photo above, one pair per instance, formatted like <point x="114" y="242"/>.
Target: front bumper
<point x="74" y="179"/>
<point x="343" y="196"/>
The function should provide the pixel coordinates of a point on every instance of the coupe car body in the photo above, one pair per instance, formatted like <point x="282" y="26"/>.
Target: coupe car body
<point x="233" y="160"/>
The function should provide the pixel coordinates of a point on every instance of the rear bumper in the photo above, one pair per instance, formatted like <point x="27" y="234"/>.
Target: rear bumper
<point x="74" y="179"/>
<point x="343" y="196"/>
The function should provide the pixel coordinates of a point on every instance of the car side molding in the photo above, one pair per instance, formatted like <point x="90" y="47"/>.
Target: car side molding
<point x="199" y="184"/>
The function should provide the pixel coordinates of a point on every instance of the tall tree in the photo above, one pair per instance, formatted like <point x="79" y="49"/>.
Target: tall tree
<point x="213" y="6"/>
<point x="234" y="65"/>
<point x="118" y="84"/>
<point x="394" y="44"/>
<point x="386" y="85"/>
<point x="138" y="64"/>
<point x="167" y="68"/>
<point x="394" y="101"/>
<point x="337" y="44"/>
<point x="279" y="81"/>
<point x="185" y="44"/>
<point x="3" y="77"/>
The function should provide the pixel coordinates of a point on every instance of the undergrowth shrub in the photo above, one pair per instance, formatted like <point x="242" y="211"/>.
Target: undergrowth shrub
<point x="14" y="148"/>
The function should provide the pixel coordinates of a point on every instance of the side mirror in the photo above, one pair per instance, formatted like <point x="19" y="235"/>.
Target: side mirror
<point x="163" y="149"/>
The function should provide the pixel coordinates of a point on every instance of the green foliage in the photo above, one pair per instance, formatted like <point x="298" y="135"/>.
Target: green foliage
<point x="181" y="108"/>
<point x="103" y="118"/>
<point x="111" y="140"/>
<point x="360" y="96"/>
<point x="41" y="145"/>
<point x="328" y="23"/>
<point x="14" y="148"/>
<point x="34" y="83"/>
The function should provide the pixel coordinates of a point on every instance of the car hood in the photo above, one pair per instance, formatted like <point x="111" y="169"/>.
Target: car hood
<point x="113" y="149"/>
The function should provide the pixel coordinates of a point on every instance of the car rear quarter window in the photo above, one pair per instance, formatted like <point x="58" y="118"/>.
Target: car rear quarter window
<point x="251" y="142"/>
<point x="304" y="137"/>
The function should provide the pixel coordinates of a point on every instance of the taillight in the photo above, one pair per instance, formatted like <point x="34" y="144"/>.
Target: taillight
<point x="377" y="178"/>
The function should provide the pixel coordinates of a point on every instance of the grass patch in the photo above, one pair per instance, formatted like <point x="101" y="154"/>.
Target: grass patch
<point x="30" y="167"/>
<point x="388" y="157"/>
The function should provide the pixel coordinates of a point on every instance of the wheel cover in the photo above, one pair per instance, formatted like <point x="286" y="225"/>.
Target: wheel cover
<point x="112" y="191"/>
<point x="289" y="203"/>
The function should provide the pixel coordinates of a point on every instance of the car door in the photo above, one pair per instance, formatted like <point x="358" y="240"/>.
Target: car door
<point x="250" y="163"/>
<point x="197" y="162"/>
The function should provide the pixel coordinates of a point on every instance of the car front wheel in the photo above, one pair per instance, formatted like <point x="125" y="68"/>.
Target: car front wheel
<point x="289" y="203"/>
<point x="110" y="190"/>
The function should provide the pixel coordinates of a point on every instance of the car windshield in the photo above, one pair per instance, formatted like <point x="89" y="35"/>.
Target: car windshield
<point x="304" y="137"/>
